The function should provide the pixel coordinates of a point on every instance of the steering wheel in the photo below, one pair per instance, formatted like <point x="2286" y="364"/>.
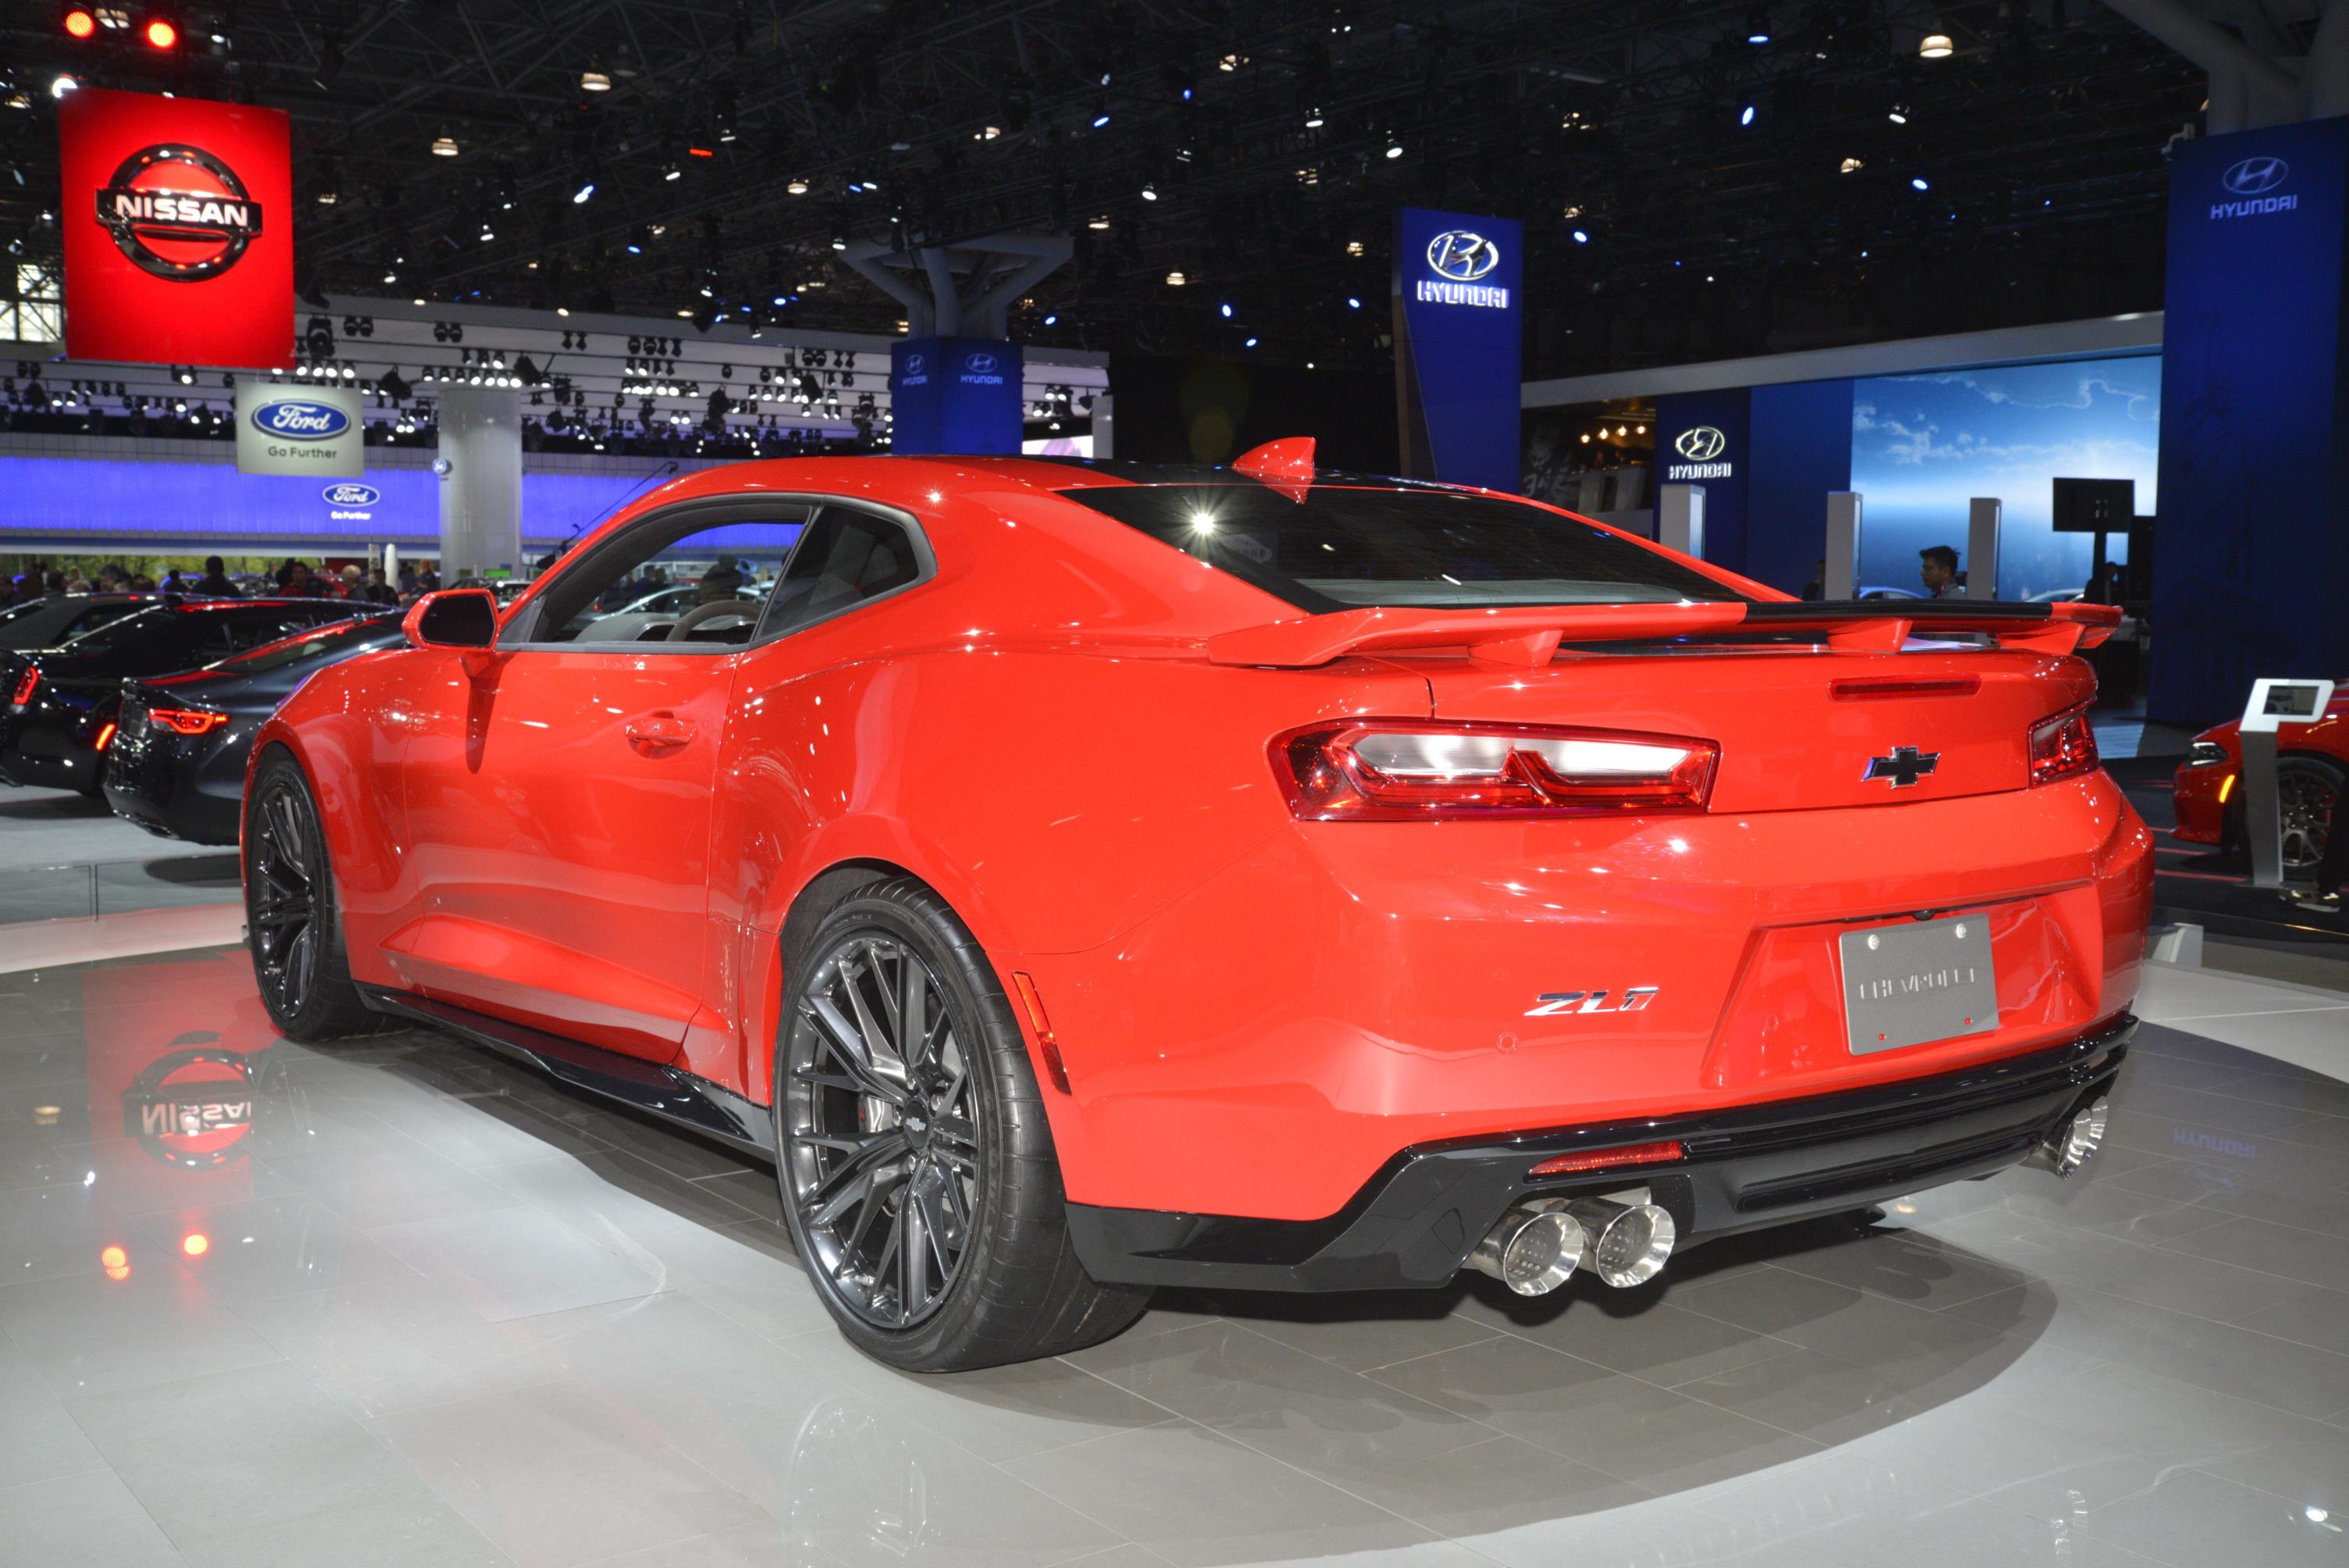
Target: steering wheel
<point x="716" y="609"/>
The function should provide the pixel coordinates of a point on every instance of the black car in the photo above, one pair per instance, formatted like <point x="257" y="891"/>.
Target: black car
<point x="55" y="618"/>
<point x="62" y="701"/>
<point x="177" y="764"/>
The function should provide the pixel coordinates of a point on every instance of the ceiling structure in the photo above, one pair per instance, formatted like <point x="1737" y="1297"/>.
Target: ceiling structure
<point x="1684" y="188"/>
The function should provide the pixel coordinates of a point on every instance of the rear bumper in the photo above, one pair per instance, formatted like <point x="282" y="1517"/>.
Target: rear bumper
<point x="181" y="789"/>
<point x="1414" y="1223"/>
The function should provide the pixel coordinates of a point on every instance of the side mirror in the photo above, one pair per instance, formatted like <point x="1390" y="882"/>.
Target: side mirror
<point x="452" y="618"/>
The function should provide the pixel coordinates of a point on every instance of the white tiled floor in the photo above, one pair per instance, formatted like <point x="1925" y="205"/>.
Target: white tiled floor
<point x="445" y="1313"/>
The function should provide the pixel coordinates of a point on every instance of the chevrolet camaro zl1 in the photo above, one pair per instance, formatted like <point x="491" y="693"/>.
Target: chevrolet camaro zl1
<point x="1081" y="878"/>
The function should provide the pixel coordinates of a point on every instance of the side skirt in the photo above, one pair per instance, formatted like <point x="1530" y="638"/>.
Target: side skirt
<point x="707" y="1108"/>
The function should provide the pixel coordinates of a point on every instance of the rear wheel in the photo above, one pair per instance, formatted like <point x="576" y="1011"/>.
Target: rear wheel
<point x="2308" y="797"/>
<point x="294" y="930"/>
<point x="916" y="1164"/>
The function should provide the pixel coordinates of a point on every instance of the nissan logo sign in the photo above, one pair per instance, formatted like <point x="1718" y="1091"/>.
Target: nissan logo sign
<point x="1462" y="256"/>
<point x="352" y="495"/>
<point x="1701" y="444"/>
<point x="2255" y="176"/>
<point x="299" y="419"/>
<point x="178" y="212"/>
<point x="980" y="363"/>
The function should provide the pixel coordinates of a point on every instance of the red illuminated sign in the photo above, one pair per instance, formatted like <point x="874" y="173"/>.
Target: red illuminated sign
<point x="179" y="243"/>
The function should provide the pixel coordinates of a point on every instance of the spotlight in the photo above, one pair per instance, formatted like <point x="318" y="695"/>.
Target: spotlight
<point x="579" y="197"/>
<point x="672" y="172"/>
<point x="639" y="238"/>
<point x="1899" y="113"/>
<point x="1581" y="237"/>
<point x="160" y="33"/>
<point x="79" y="23"/>
<point x="840" y="234"/>
<point x="796" y="187"/>
<point x="1395" y="148"/>
<point x="1745" y="115"/>
<point x="1757" y="26"/>
<point x="1853" y="165"/>
<point x="1936" y="47"/>
<point x="594" y="81"/>
<point x="1313" y="119"/>
<point x="1226" y="309"/>
<point x="1251" y="344"/>
<point x="444" y="145"/>
<point x="1101" y="119"/>
<point x="1353" y="302"/>
<point x="1150" y="192"/>
<point x="1177" y="280"/>
<point x="1052" y="321"/>
<point x="1098" y="225"/>
<point x="63" y="85"/>
<point x="1919" y="182"/>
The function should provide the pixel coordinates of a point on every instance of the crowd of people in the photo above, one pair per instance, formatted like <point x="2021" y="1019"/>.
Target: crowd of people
<point x="295" y="578"/>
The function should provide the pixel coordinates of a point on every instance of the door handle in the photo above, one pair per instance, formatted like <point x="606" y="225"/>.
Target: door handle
<point x="659" y="731"/>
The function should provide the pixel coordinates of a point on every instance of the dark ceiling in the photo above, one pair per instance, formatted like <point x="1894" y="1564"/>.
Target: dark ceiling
<point x="2039" y="141"/>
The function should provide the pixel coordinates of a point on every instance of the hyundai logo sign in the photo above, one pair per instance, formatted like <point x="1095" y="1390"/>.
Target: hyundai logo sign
<point x="299" y="419"/>
<point x="1462" y="256"/>
<point x="2255" y="176"/>
<point x="1702" y="445"/>
<point x="2253" y="182"/>
<point x="352" y="495"/>
<point x="980" y="363"/>
<point x="917" y="363"/>
<point x="1460" y="260"/>
<point x="981" y="369"/>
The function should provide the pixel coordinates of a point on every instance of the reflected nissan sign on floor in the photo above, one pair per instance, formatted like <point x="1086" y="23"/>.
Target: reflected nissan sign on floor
<point x="299" y="429"/>
<point x="178" y="230"/>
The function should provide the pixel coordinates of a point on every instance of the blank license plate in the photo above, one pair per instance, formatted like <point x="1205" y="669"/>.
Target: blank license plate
<point x="1924" y="980"/>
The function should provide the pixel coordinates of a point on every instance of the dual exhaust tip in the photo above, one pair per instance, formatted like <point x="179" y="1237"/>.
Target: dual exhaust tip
<point x="1536" y="1247"/>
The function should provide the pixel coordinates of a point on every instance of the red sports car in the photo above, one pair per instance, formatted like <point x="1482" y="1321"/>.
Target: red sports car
<point x="2311" y="769"/>
<point x="1087" y="877"/>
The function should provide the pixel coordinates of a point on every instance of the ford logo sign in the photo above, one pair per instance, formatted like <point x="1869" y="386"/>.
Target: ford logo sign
<point x="352" y="495"/>
<point x="1700" y="445"/>
<point x="1461" y="256"/>
<point x="916" y="364"/>
<point x="2255" y="176"/>
<point x="297" y="419"/>
<point x="980" y="363"/>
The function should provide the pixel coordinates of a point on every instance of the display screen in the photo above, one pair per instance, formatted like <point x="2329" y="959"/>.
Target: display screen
<point x="2290" y="702"/>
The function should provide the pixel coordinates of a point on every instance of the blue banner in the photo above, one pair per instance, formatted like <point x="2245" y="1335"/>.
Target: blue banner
<point x="2252" y="543"/>
<point x="1458" y="347"/>
<point x="956" y="395"/>
<point x="1701" y="439"/>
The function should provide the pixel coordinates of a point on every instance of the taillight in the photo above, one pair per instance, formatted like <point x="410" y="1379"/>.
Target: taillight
<point x="1393" y="770"/>
<point x="186" y="721"/>
<point x="105" y="736"/>
<point x="25" y="686"/>
<point x="1661" y="1153"/>
<point x="2061" y="745"/>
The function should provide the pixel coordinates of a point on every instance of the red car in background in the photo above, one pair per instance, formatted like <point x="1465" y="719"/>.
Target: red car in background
<point x="2311" y="769"/>
<point x="1086" y="877"/>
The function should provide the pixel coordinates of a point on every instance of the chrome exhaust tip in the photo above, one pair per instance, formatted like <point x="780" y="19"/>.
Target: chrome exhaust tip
<point x="1624" y="1243"/>
<point x="2066" y="1151"/>
<point x="1531" y="1251"/>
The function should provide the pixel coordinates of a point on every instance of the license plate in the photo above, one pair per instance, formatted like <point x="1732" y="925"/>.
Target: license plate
<point x="1921" y="981"/>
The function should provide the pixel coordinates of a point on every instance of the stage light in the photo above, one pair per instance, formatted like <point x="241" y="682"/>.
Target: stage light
<point x="1853" y="165"/>
<point x="796" y="187"/>
<point x="1745" y="115"/>
<point x="1757" y="26"/>
<point x="1101" y="119"/>
<point x="1899" y="114"/>
<point x="591" y="81"/>
<point x="1936" y="47"/>
<point x="1226" y="308"/>
<point x="1919" y="182"/>
<point x="1353" y="302"/>
<point x="1581" y="237"/>
<point x="1150" y="192"/>
<point x="62" y="86"/>
<point x="638" y="238"/>
<point x="1313" y="119"/>
<point x="579" y="197"/>
<point x="160" y="33"/>
<point x="1098" y="225"/>
<point x="840" y="234"/>
<point x="444" y="145"/>
<point x="79" y="23"/>
<point x="1052" y="321"/>
<point x="1395" y="148"/>
<point x="1177" y="280"/>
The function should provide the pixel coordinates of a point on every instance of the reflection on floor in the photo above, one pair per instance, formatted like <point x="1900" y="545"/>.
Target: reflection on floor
<point x="403" y="1303"/>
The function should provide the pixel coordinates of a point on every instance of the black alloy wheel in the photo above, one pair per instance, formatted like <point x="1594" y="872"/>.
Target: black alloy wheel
<point x="291" y="921"/>
<point x="2308" y="801"/>
<point x="915" y="1155"/>
<point x="884" y="1148"/>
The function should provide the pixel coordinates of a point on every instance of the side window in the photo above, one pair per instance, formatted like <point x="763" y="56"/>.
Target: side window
<point x="670" y="583"/>
<point x="845" y="559"/>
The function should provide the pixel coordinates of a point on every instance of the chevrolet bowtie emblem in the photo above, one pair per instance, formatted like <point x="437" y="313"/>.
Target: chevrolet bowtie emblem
<point x="1904" y="766"/>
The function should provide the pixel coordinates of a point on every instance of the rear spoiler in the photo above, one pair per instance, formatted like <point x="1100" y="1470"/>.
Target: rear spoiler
<point x="1529" y="635"/>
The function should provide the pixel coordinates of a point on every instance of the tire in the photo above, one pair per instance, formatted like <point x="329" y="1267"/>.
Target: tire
<point x="2309" y="791"/>
<point x="920" y="1183"/>
<point x="295" y="929"/>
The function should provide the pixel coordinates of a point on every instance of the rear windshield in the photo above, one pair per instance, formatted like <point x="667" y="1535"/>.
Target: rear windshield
<point x="1343" y="546"/>
<point x="326" y="643"/>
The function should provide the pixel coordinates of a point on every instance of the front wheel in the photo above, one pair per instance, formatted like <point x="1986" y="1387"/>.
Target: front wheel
<point x="916" y="1164"/>
<point x="293" y="926"/>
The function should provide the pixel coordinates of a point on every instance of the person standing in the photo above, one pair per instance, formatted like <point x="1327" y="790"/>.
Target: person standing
<point x="214" y="583"/>
<point x="1938" y="570"/>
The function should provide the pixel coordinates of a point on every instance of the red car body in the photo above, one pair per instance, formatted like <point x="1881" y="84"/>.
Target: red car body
<point x="2207" y="780"/>
<point x="1072" y="733"/>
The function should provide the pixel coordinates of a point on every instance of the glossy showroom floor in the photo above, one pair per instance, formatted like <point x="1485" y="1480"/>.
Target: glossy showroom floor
<point x="417" y="1307"/>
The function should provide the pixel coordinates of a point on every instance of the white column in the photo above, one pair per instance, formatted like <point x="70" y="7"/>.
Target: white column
<point x="1842" y="580"/>
<point x="1680" y="519"/>
<point x="1104" y="425"/>
<point x="1981" y="547"/>
<point x="481" y="484"/>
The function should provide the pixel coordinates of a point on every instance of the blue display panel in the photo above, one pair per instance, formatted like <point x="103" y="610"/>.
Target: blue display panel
<point x="2253" y="539"/>
<point x="1458" y="283"/>
<point x="1922" y="445"/>
<point x="1801" y="446"/>
<point x="1705" y="438"/>
<point x="956" y="395"/>
<point x="212" y="504"/>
